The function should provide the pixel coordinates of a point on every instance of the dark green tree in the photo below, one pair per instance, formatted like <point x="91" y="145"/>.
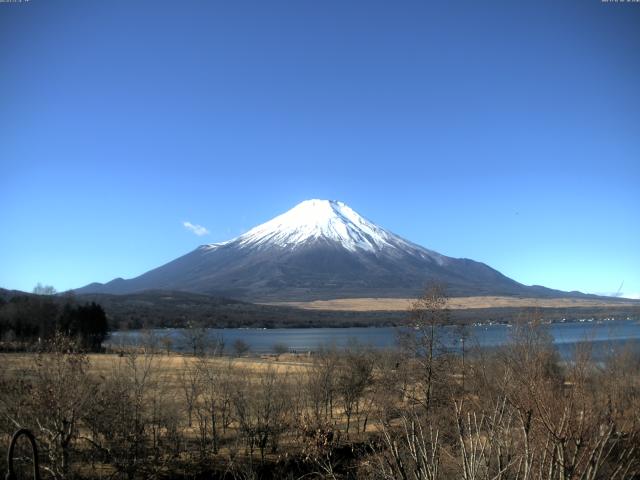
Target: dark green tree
<point x="87" y="323"/>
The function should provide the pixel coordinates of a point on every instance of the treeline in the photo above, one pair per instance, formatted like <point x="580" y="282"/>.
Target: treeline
<point x="157" y="309"/>
<point x="417" y="412"/>
<point x="26" y="320"/>
<point x="167" y="309"/>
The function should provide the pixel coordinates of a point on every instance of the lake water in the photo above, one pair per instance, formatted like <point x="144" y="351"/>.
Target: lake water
<point x="603" y="335"/>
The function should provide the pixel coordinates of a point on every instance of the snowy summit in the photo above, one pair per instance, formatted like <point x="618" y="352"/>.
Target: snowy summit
<point x="314" y="220"/>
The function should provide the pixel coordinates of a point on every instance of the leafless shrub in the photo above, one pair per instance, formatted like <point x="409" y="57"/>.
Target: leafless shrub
<point x="261" y="410"/>
<point x="422" y="342"/>
<point x="320" y="384"/>
<point x="190" y="385"/>
<point x="354" y="377"/>
<point x="44" y="401"/>
<point x="131" y="417"/>
<point x="241" y="347"/>
<point x="412" y="452"/>
<point x="214" y="402"/>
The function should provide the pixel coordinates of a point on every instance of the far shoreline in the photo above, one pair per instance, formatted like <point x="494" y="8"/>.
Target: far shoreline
<point x="378" y="304"/>
<point x="489" y="323"/>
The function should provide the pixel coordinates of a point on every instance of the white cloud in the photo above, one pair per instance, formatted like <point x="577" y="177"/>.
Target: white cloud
<point x="197" y="229"/>
<point x="632" y="296"/>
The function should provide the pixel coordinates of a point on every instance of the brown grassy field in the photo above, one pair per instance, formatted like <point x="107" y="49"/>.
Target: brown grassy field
<point x="173" y="364"/>
<point x="338" y="414"/>
<point x="455" y="303"/>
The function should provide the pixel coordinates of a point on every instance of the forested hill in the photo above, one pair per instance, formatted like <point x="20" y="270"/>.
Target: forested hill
<point x="29" y="319"/>
<point x="177" y="309"/>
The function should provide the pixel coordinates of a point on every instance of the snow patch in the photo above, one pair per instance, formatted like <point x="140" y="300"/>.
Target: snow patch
<point x="213" y="246"/>
<point x="328" y="220"/>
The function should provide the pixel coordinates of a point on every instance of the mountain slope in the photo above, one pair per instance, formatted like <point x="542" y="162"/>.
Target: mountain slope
<point x="320" y="249"/>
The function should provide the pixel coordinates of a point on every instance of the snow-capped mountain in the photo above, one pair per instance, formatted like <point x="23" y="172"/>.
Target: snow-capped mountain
<point x="324" y="220"/>
<point x="319" y="249"/>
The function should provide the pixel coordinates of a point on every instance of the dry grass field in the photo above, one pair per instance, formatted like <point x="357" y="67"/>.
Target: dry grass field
<point x="172" y="365"/>
<point x="455" y="303"/>
<point x="346" y="414"/>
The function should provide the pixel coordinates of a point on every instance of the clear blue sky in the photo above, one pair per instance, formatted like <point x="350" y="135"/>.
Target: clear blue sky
<point x="507" y="132"/>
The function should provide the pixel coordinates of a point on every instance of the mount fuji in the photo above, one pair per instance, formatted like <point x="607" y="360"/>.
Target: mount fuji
<point x="320" y="250"/>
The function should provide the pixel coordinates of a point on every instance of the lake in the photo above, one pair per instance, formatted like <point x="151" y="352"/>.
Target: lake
<point x="603" y="335"/>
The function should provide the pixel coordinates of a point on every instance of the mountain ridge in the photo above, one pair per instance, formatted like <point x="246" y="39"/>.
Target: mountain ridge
<point x="320" y="249"/>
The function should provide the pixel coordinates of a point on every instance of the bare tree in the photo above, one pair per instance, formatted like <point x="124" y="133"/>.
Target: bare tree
<point x="122" y="414"/>
<point x="562" y="428"/>
<point x="262" y="411"/>
<point x="280" y="349"/>
<point x="196" y="338"/>
<point x="54" y="399"/>
<point x="390" y="385"/>
<point x="213" y="405"/>
<point x="320" y="384"/>
<point x="241" y="347"/>
<point x="190" y="385"/>
<point x="422" y="341"/>
<point x="411" y="453"/>
<point x="41" y="289"/>
<point x="354" y="376"/>
<point x="167" y="343"/>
